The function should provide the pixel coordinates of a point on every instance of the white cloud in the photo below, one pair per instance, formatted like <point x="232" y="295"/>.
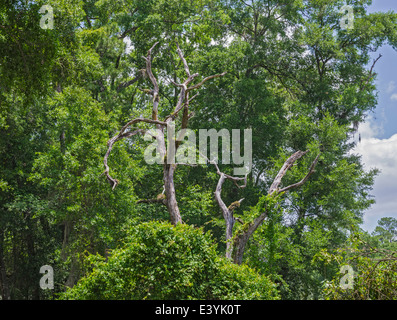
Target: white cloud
<point x="391" y="86"/>
<point x="393" y="97"/>
<point x="381" y="154"/>
<point x="369" y="130"/>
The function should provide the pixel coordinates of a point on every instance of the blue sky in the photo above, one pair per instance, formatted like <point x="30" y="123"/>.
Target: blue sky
<point x="378" y="145"/>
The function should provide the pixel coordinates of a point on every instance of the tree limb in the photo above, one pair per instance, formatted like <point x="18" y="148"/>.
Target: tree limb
<point x="156" y="98"/>
<point x="240" y="240"/>
<point x="121" y="135"/>
<point x="362" y="86"/>
<point x="182" y="103"/>
<point x="284" y="169"/>
<point x="124" y="85"/>
<point x="300" y="183"/>
<point x="205" y="80"/>
<point x="187" y="70"/>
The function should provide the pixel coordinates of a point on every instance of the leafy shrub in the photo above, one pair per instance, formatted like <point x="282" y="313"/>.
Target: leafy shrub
<point x="161" y="261"/>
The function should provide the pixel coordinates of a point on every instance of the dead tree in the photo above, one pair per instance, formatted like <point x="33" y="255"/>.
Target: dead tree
<point x="182" y="106"/>
<point x="228" y="211"/>
<point x="236" y="243"/>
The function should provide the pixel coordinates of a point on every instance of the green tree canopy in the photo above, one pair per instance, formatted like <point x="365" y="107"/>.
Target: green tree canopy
<point x="293" y="76"/>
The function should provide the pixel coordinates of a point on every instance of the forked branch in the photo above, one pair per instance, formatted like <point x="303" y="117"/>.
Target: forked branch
<point x="121" y="135"/>
<point x="284" y="169"/>
<point x="302" y="182"/>
<point x="182" y="104"/>
<point x="240" y="240"/>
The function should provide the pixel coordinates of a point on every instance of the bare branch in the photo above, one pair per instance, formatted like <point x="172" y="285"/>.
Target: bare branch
<point x="183" y="100"/>
<point x="130" y="123"/>
<point x="183" y="60"/>
<point x="149" y="72"/>
<point x="205" y="80"/>
<point x="121" y="135"/>
<point x="131" y="133"/>
<point x="234" y="179"/>
<point x="191" y="99"/>
<point x="300" y="183"/>
<point x="180" y="104"/>
<point x="218" y="198"/>
<point x="287" y="165"/>
<point x="240" y="240"/>
<point x="176" y="84"/>
<point x="227" y="214"/>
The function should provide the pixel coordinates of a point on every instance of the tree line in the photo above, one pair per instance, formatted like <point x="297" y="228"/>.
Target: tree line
<point x="77" y="194"/>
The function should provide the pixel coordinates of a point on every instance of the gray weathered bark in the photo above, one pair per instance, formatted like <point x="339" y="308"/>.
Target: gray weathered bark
<point x="241" y="239"/>
<point x="171" y="203"/>
<point x="236" y="243"/>
<point x="227" y="212"/>
<point x="182" y="104"/>
<point x="227" y="215"/>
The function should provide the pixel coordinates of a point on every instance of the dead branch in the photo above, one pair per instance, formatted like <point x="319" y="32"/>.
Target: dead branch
<point x="183" y="60"/>
<point x="156" y="98"/>
<point x="182" y="104"/>
<point x="300" y="183"/>
<point x="205" y="80"/>
<point x="284" y="169"/>
<point x="240" y="241"/>
<point x="121" y="135"/>
<point x="234" y="179"/>
<point x="227" y="211"/>
<point x="363" y="86"/>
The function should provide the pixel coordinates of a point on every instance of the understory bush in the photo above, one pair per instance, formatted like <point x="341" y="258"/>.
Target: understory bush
<point x="162" y="261"/>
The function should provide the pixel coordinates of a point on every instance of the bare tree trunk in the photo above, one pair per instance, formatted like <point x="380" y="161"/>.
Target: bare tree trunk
<point x="227" y="215"/>
<point x="240" y="240"/>
<point x="171" y="203"/>
<point x="236" y="247"/>
<point x="182" y="104"/>
<point x="227" y="212"/>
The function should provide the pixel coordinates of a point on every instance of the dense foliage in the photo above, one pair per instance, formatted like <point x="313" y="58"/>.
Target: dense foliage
<point x="294" y="77"/>
<point x="160" y="261"/>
